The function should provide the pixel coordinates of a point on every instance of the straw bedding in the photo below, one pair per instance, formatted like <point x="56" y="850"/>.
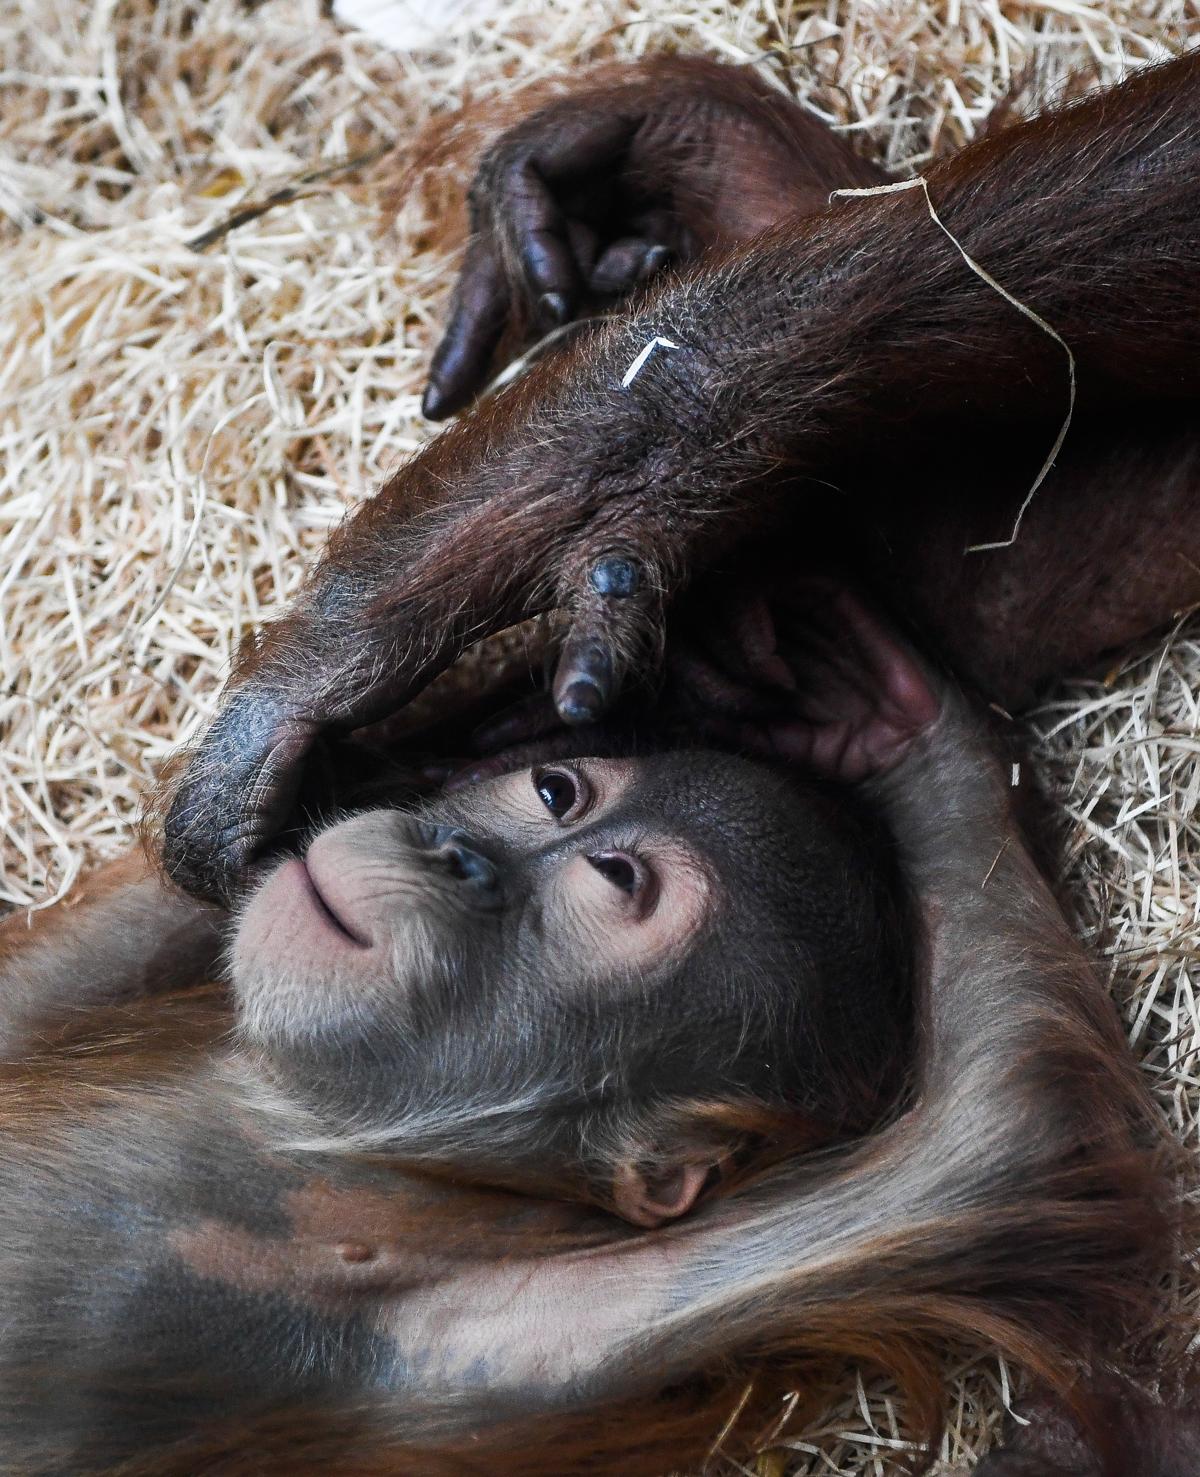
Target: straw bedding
<point x="181" y="427"/>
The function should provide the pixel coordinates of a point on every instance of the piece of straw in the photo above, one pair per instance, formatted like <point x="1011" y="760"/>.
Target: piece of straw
<point x="921" y="183"/>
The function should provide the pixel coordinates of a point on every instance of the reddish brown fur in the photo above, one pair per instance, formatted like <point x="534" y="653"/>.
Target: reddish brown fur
<point x="761" y="149"/>
<point x="861" y="319"/>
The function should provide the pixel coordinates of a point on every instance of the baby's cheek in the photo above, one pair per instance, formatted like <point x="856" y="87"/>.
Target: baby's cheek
<point x="604" y="931"/>
<point x="675" y="921"/>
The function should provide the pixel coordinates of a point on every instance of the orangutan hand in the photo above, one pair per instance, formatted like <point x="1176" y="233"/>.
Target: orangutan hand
<point x="590" y="197"/>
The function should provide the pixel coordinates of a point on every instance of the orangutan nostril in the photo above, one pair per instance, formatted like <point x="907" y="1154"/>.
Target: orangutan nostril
<point x="431" y="837"/>
<point x="468" y="865"/>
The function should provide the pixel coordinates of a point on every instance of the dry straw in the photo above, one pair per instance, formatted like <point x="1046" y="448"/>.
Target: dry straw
<point x="181" y="427"/>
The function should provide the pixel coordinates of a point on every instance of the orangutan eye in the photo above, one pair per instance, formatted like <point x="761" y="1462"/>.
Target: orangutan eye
<point x="561" y="792"/>
<point x="622" y="870"/>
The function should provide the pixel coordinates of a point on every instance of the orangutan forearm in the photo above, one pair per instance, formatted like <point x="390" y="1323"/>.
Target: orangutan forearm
<point x="603" y="481"/>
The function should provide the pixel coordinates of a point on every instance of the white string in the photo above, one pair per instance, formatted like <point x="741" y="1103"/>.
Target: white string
<point x="920" y="183"/>
<point x="657" y="342"/>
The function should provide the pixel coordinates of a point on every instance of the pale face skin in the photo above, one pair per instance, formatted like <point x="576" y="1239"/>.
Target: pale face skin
<point x="377" y="900"/>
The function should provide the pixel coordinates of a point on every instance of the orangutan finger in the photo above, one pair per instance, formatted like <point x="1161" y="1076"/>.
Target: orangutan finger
<point x="529" y="718"/>
<point x="477" y="320"/>
<point x="625" y="264"/>
<point x="543" y="246"/>
<point x="613" y="619"/>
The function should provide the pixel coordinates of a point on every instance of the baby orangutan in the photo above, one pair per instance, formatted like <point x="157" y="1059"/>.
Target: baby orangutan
<point x="366" y="1231"/>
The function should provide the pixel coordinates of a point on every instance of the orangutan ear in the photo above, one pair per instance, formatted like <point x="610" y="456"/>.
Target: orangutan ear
<point x="651" y="1197"/>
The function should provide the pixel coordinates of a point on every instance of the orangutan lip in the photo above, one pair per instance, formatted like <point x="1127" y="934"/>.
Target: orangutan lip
<point x="322" y="907"/>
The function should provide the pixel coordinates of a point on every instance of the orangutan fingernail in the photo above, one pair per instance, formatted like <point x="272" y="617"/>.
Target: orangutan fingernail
<point x="355" y="1251"/>
<point x="435" y="403"/>
<point x="615" y="577"/>
<point x="655" y="258"/>
<point x="553" y="309"/>
<point x="582" y="702"/>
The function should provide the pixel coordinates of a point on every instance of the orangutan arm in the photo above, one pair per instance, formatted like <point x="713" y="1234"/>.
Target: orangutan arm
<point x="119" y="934"/>
<point x="610" y="475"/>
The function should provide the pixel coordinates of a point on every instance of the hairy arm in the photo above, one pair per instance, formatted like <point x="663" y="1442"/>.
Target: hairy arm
<point x="601" y="490"/>
<point x="122" y="933"/>
<point x="640" y="168"/>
